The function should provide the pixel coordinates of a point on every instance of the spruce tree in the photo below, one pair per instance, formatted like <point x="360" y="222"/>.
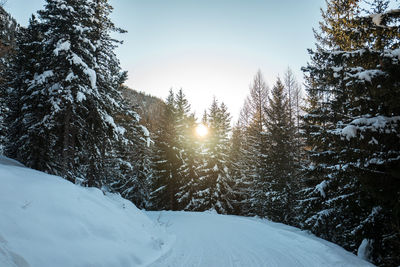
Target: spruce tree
<point x="187" y="146"/>
<point x="351" y="129"/>
<point x="26" y="107"/>
<point x="71" y="96"/>
<point x="256" y="142"/>
<point x="279" y="180"/>
<point x="165" y="181"/>
<point x="215" y="182"/>
<point x="9" y="30"/>
<point x="239" y="166"/>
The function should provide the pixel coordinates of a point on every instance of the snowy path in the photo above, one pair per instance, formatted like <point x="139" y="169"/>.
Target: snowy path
<point x="206" y="239"/>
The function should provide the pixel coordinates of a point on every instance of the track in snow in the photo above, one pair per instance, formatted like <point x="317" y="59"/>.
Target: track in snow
<point x="207" y="239"/>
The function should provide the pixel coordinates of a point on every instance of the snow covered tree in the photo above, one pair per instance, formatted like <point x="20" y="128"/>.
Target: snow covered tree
<point x="129" y="163"/>
<point x="27" y="142"/>
<point x="188" y="154"/>
<point x="256" y="142"/>
<point x="240" y="166"/>
<point x="352" y="137"/>
<point x="72" y="94"/>
<point x="215" y="182"/>
<point x="8" y="37"/>
<point x="165" y="183"/>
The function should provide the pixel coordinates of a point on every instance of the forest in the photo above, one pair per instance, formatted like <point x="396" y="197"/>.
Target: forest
<point x="323" y="156"/>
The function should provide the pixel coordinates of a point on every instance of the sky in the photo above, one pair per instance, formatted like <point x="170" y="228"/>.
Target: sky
<point x="209" y="48"/>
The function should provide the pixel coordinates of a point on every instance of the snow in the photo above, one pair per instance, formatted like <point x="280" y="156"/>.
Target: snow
<point x="377" y="19"/>
<point x="210" y="239"/>
<point x="48" y="221"/>
<point x="110" y="121"/>
<point x="63" y="46"/>
<point x="71" y="76"/>
<point x="321" y="188"/>
<point x="75" y="59"/>
<point x="367" y="75"/>
<point x="364" y="249"/>
<point x="80" y="97"/>
<point x="396" y="52"/>
<point x="378" y="123"/>
<point x="146" y="134"/>
<point x="40" y="79"/>
<point x="349" y="131"/>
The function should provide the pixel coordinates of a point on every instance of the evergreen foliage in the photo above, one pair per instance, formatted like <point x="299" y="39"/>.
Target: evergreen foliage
<point x="166" y="162"/>
<point x="352" y="134"/>
<point x="256" y="143"/>
<point x="9" y="30"/>
<point x="215" y="182"/>
<point x="62" y="106"/>
<point x="279" y="177"/>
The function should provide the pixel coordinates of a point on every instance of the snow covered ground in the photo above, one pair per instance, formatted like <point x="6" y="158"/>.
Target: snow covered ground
<point x="46" y="221"/>
<point x="207" y="239"/>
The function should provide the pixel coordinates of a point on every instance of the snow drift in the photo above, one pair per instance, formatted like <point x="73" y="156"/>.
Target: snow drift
<point x="48" y="221"/>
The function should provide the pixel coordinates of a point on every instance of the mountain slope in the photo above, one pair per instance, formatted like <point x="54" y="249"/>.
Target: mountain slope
<point x="207" y="239"/>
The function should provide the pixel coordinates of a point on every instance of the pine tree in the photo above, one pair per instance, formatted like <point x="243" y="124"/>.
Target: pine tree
<point x="129" y="163"/>
<point x="189" y="170"/>
<point x="337" y="29"/>
<point x="215" y="182"/>
<point x="294" y="92"/>
<point x="241" y="184"/>
<point x="256" y="142"/>
<point x="9" y="30"/>
<point x="165" y="182"/>
<point x="351" y="128"/>
<point x="279" y="180"/>
<point x="76" y="88"/>
<point x="27" y="142"/>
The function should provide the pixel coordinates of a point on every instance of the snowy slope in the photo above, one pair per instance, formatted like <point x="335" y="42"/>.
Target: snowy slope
<point x="206" y="239"/>
<point x="48" y="221"/>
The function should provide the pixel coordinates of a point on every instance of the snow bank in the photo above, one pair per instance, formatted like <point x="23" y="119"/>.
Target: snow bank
<point x="48" y="221"/>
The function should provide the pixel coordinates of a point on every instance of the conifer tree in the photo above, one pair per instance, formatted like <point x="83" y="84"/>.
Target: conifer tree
<point x="351" y="128"/>
<point x="131" y="175"/>
<point x="188" y="154"/>
<point x="72" y="95"/>
<point x="215" y="182"/>
<point x="279" y="180"/>
<point x="256" y="142"/>
<point x="241" y="184"/>
<point x="9" y="30"/>
<point x="165" y="183"/>
<point x="27" y="142"/>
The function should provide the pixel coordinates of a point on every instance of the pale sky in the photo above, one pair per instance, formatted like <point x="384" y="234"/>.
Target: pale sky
<point x="207" y="47"/>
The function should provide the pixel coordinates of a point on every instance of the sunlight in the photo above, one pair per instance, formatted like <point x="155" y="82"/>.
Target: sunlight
<point x="201" y="130"/>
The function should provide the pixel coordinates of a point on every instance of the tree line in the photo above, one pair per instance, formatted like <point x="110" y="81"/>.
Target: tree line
<point x="327" y="161"/>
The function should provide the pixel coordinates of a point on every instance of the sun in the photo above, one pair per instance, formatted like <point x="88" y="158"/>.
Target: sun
<point x="201" y="130"/>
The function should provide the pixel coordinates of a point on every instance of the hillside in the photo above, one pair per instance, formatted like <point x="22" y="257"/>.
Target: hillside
<point x="48" y="221"/>
<point x="150" y="108"/>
